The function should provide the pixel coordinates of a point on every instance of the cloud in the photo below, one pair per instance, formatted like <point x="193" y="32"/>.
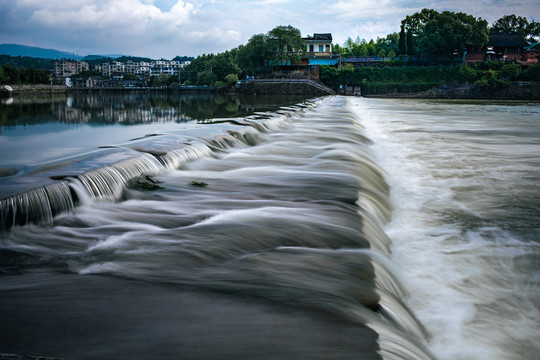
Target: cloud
<point x="166" y="28"/>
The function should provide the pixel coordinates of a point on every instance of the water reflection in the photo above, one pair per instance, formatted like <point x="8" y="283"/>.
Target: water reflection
<point x="45" y="132"/>
<point x="133" y="108"/>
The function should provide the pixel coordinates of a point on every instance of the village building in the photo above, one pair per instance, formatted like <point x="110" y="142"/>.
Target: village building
<point x="532" y="53"/>
<point x="505" y="47"/>
<point x="67" y="68"/>
<point x="319" y="50"/>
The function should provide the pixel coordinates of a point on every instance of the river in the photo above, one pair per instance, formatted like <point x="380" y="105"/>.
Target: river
<point x="335" y="227"/>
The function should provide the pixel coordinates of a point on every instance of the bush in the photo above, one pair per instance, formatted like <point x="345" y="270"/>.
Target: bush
<point x="231" y="79"/>
<point x="220" y="84"/>
<point x="467" y="74"/>
<point x="490" y="82"/>
<point x="532" y="73"/>
<point x="509" y="71"/>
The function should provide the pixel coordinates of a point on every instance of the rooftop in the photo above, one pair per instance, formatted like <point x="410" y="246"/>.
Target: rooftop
<point x="320" y="37"/>
<point x="501" y="40"/>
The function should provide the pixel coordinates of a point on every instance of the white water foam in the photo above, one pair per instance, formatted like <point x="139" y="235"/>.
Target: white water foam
<point x="463" y="282"/>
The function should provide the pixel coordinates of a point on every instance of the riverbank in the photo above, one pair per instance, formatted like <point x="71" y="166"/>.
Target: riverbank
<point x="39" y="89"/>
<point x="513" y="91"/>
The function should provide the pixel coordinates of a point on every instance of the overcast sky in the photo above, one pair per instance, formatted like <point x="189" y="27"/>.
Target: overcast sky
<point x="166" y="28"/>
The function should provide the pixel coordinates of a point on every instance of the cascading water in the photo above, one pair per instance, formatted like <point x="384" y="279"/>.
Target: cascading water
<point x="108" y="182"/>
<point x="464" y="185"/>
<point x="290" y="226"/>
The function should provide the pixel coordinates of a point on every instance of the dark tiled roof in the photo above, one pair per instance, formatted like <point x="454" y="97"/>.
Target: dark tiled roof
<point x="501" y="40"/>
<point x="324" y="37"/>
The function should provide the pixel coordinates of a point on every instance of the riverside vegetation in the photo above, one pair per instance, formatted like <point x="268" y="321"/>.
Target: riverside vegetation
<point x="423" y="55"/>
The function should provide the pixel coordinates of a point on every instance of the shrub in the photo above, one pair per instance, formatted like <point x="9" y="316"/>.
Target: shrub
<point x="231" y="79"/>
<point x="220" y="84"/>
<point x="532" y="73"/>
<point x="509" y="71"/>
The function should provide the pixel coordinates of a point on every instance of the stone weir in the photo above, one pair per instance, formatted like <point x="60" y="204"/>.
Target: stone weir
<point x="283" y="87"/>
<point x="40" y="194"/>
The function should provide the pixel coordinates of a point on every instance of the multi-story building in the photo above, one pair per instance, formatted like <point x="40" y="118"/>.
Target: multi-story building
<point x="67" y="68"/>
<point x="152" y="68"/>
<point x="319" y="50"/>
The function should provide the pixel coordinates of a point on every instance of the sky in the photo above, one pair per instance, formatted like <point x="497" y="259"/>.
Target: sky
<point x="167" y="28"/>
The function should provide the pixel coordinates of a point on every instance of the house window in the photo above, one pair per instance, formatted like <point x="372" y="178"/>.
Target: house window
<point x="311" y="48"/>
<point x="321" y="48"/>
<point x="327" y="48"/>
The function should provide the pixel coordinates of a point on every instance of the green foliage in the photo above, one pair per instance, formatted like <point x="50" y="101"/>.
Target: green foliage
<point x="254" y="56"/>
<point x="207" y="69"/>
<point x="206" y="77"/>
<point x="512" y="24"/>
<point x="27" y="62"/>
<point x="130" y="77"/>
<point x="402" y="46"/>
<point x="489" y="65"/>
<point x="358" y="48"/>
<point x="435" y="34"/>
<point x="378" y="80"/>
<point x="467" y="74"/>
<point x="388" y="44"/>
<point x="131" y="58"/>
<point x="491" y="81"/>
<point x="448" y="33"/>
<point x="410" y="43"/>
<point x="220" y="84"/>
<point x="231" y="79"/>
<point x="11" y="75"/>
<point x="183" y="58"/>
<point x="509" y="71"/>
<point x="159" y="81"/>
<point x="286" y="42"/>
<point x="532" y="73"/>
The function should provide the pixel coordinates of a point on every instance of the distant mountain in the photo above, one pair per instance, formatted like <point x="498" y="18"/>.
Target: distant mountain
<point x="33" y="51"/>
<point x="37" y="52"/>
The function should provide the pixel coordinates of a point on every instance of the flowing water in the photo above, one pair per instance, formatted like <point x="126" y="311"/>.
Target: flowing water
<point x="334" y="228"/>
<point x="465" y="180"/>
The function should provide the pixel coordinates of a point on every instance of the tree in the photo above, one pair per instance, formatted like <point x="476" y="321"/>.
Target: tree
<point x="410" y="44"/>
<point x="448" y="34"/>
<point x="286" y="43"/>
<point x="402" y="46"/>
<point x="11" y="75"/>
<point x="255" y="55"/>
<point x="532" y="73"/>
<point x="130" y="77"/>
<point x="160" y="80"/>
<point x="389" y="43"/>
<point x="512" y="24"/>
<point x="206" y="77"/>
<point x="183" y="58"/>
<point x="231" y="79"/>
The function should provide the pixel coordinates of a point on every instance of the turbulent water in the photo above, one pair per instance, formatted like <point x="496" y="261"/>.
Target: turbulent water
<point x="338" y="228"/>
<point x="465" y="180"/>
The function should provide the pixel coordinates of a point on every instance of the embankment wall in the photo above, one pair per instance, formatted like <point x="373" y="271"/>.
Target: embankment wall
<point x="513" y="91"/>
<point x="280" y="88"/>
